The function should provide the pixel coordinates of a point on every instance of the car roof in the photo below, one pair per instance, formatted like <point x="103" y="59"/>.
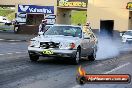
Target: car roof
<point x="66" y="25"/>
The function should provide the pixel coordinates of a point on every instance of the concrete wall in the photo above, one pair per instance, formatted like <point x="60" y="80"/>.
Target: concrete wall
<point x="108" y="10"/>
<point x="130" y="20"/>
<point x="63" y="16"/>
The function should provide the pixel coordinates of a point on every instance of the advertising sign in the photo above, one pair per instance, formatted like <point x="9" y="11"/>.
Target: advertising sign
<point x="36" y="9"/>
<point x="51" y="19"/>
<point x="72" y="3"/>
<point x="129" y="5"/>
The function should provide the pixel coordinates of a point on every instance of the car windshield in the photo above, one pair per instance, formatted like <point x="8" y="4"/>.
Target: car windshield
<point x="128" y="33"/>
<point x="65" y="30"/>
<point x="47" y="27"/>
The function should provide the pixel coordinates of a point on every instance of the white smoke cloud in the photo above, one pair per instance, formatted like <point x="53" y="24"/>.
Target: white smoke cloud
<point x="107" y="48"/>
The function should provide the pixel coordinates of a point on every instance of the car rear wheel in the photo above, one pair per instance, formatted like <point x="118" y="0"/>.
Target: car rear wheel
<point x="93" y="55"/>
<point x="33" y="57"/>
<point x="77" y="57"/>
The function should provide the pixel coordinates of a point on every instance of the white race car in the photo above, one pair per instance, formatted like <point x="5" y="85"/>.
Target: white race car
<point x="64" y="41"/>
<point x="127" y="36"/>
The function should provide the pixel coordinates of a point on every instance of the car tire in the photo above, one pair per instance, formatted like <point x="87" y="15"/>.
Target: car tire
<point x="33" y="57"/>
<point x="92" y="57"/>
<point x="77" y="57"/>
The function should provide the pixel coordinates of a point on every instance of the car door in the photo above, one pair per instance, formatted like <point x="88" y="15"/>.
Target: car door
<point x="86" y="43"/>
<point x="93" y="41"/>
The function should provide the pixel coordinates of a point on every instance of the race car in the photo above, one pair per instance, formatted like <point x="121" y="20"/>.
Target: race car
<point x="127" y="36"/>
<point x="68" y="41"/>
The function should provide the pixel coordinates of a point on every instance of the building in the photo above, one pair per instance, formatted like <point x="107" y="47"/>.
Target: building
<point x="109" y="15"/>
<point x="105" y="15"/>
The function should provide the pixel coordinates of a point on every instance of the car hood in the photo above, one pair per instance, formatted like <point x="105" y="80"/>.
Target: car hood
<point x="59" y="38"/>
<point x="127" y="36"/>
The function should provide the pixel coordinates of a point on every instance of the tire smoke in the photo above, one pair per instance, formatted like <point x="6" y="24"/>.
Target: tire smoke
<point x="107" y="48"/>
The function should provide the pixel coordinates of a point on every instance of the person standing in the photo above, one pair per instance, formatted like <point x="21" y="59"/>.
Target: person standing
<point x="42" y="26"/>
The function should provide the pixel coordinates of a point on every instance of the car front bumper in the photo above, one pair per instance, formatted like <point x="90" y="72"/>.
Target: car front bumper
<point x="56" y="52"/>
<point x="127" y="40"/>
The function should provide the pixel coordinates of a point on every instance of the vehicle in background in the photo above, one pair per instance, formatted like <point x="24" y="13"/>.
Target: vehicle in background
<point x="64" y="41"/>
<point x="5" y="20"/>
<point x="127" y="36"/>
<point x="122" y="33"/>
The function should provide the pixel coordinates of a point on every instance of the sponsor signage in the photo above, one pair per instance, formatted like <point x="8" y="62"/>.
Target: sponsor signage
<point x="129" y="5"/>
<point x="51" y="19"/>
<point x="36" y="9"/>
<point x="72" y="3"/>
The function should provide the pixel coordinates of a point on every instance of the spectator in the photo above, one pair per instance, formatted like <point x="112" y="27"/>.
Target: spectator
<point x="42" y="26"/>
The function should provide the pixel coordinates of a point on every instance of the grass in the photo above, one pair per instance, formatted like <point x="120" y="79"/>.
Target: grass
<point x="10" y="14"/>
<point x="78" y="17"/>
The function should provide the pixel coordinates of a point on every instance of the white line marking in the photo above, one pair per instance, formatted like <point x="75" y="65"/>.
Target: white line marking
<point x="117" y="68"/>
<point x="13" y="43"/>
<point x="12" y="40"/>
<point x="18" y="52"/>
<point x="12" y="53"/>
<point x="76" y="86"/>
<point x="9" y="53"/>
<point x="21" y="52"/>
<point x="1" y="54"/>
<point x="1" y="39"/>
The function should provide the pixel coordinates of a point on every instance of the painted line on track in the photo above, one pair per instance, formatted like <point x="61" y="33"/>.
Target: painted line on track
<point x="76" y="86"/>
<point x="119" y="67"/>
<point x="1" y="39"/>
<point x="12" y="40"/>
<point x="9" y="53"/>
<point x="18" y="52"/>
<point x="1" y="54"/>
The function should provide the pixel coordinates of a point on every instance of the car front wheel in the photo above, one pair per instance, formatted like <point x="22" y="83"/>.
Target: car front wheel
<point x="33" y="57"/>
<point x="77" y="57"/>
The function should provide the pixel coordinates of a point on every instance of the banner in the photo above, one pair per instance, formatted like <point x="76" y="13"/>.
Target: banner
<point x="129" y="6"/>
<point x="36" y="9"/>
<point x="72" y="3"/>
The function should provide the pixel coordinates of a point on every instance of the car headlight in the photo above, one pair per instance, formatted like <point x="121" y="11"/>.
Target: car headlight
<point x="67" y="46"/>
<point x="72" y="45"/>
